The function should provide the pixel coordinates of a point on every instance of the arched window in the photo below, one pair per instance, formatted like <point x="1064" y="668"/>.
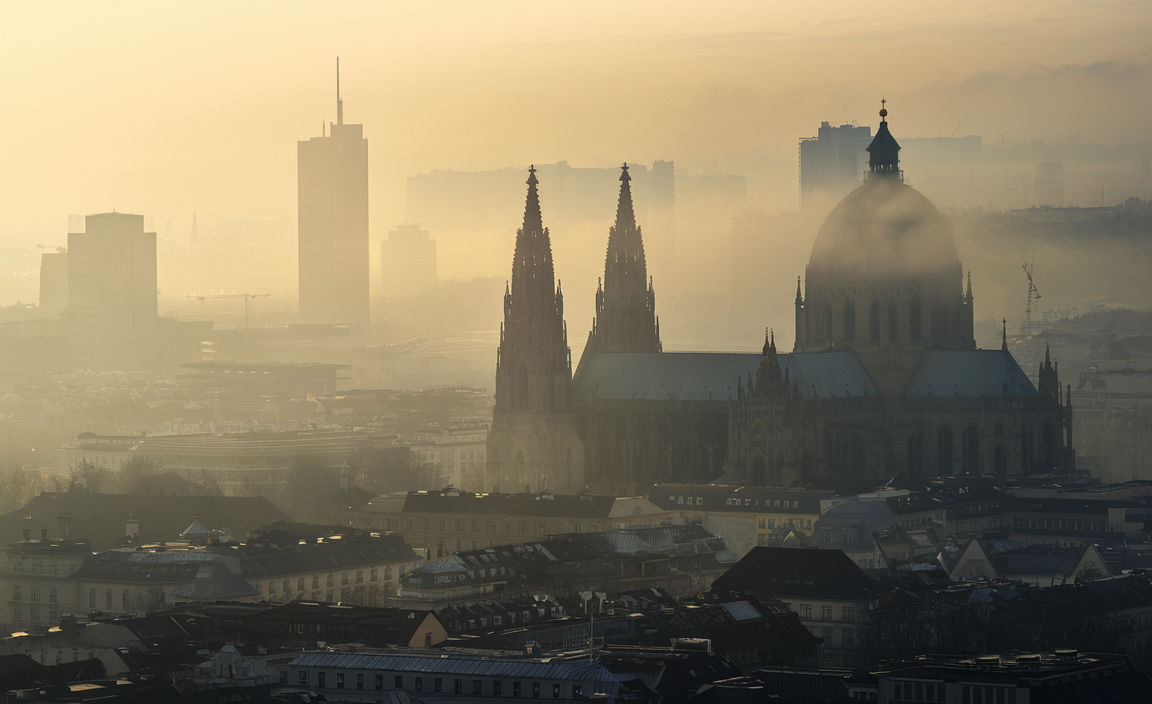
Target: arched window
<point x="915" y="318"/>
<point x="849" y="320"/>
<point x="971" y="450"/>
<point x="874" y="322"/>
<point x="1048" y="448"/>
<point x="893" y="319"/>
<point x="1000" y="460"/>
<point x="915" y="450"/>
<point x="944" y="452"/>
<point x="1026" y="449"/>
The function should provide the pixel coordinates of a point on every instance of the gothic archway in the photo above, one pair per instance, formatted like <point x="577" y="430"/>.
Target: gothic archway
<point x="1000" y="460"/>
<point x="971" y="451"/>
<point x="944" y="451"/>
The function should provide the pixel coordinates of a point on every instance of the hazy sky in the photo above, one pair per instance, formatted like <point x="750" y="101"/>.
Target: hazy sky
<point x="166" y="108"/>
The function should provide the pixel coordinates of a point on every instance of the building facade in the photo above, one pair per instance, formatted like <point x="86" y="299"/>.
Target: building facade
<point x="534" y="443"/>
<point x="112" y="274"/>
<point x="408" y="262"/>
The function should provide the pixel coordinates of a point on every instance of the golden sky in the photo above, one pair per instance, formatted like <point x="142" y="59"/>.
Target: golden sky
<point x="169" y="107"/>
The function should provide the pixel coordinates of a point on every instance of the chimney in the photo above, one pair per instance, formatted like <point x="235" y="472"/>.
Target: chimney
<point x="132" y="527"/>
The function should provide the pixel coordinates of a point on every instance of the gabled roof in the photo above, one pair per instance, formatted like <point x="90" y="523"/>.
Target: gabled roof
<point x="969" y="374"/>
<point x="809" y="572"/>
<point x="713" y="376"/>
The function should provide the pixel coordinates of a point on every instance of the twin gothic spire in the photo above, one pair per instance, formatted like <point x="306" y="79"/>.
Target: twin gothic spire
<point x="625" y="300"/>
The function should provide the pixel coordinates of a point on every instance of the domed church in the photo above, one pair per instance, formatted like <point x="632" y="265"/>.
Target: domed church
<point x="885" y="377"/>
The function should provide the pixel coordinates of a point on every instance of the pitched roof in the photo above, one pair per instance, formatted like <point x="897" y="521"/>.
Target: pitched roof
<point x="214" y="581"/>
<point x="712" y="376"/>
<point x="969" y="374"/>
<point x="810" y="572"/>
<point x="463" y="502"/>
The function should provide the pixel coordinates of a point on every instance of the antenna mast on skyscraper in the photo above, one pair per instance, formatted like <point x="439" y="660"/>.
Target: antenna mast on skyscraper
<point x="339" y="102"/>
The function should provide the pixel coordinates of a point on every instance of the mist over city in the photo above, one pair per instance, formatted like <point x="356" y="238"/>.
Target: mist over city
<point x="658" y="353"/>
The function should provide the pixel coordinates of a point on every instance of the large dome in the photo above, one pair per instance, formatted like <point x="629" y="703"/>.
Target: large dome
<point x="884" y="229"/>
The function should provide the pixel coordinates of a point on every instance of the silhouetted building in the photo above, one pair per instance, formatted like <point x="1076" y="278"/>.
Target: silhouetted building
<point x="332" y="177"/>
<point x="407" y="262"/>
<point x="53" y="282"/>
<point x="112" y="274"/>
<point x="533" y="443"/>
<point x="833" y="161"/>
<point x="884" y="377"/>
<point x="626" y="302"/>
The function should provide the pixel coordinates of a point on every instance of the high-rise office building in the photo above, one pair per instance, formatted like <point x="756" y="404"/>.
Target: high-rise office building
<point x="833" y="163"/>
<point x="332" y="177"/>
<point x="112" y="274"/>
<point x="408" y="262"/>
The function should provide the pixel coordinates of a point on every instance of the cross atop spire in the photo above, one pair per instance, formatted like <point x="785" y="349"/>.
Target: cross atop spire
<point x="1004" y="343"/>
<point x="625" y="215"/>
<point x="883" y="110"/>
<point x="339" y="102"/>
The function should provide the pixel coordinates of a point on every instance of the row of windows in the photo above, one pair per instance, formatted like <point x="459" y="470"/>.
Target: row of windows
<point x="1056" y="524"/>
<point x="33" y="594"/>
<point x="494" y="688"/>
<point x="794" y="523"/>
<point x="330" y="580"/>
<point x="33" y="567"/>
<point x="847" y="613"/>
<point x="33" y="615"/>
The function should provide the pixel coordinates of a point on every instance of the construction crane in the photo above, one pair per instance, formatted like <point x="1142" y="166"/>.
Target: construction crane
<point x="59" y="248"/>
<point x="1032" y="292"/>
<point x="245" y="296"/>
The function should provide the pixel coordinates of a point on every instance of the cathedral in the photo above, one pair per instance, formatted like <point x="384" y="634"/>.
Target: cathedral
<point x="884" y="377"/>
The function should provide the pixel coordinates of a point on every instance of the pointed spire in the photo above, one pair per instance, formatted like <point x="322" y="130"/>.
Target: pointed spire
<point x="799" y="296"/>
<point x="625" y="216"/>
<point x="1047" y="354"/>
<point x="968" y="295"/>
<point x="1004" y="344"/>
<point x="533" y="220"/>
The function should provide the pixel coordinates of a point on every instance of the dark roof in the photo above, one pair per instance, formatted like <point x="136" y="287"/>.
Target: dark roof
<point x="745" y="499"/>
<point x="281" y="552"/>
<point x="809" y="572"/>
<point x="712" y="376"/>
<point x="969" y="374"/>
<point x="21" y="671"/>
<point x="145" y="567"/>
<point x="463" y="502"/>
<point x="100" y="518"/>
<point x="214" y="581"/>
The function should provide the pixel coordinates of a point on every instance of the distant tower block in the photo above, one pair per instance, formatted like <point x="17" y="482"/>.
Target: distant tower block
<point x="407" y="262"/>
<point x="332" y="178"/>
<point x="53" y="282"/>
<point x="833" y="162"/>
<point x="194" y="240"/>
<point x="112" y="274"/>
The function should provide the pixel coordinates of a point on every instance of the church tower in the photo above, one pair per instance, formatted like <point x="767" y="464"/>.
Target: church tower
<point x="625" y="301"/>
<point x="533" y="443"/>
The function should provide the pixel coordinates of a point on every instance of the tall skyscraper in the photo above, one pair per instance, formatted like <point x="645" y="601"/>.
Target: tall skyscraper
<point x="625" y="302"/>
<point x="534" y="443"/>
<point x="408" y="262"/>
<point x="112" y="274"/>
<point x="332" y="177"/>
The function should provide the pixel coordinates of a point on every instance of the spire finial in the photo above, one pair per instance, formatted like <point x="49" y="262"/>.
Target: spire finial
<point x="883" y="110"/>
<point x="1004" y="344"/>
